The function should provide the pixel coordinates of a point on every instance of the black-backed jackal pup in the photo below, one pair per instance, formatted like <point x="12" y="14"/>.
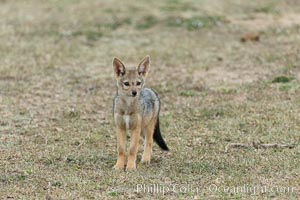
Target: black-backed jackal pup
<point x="136" y="110"/>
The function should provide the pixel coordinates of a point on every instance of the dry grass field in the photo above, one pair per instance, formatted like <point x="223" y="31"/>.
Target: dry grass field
<point x="226" y="72"/>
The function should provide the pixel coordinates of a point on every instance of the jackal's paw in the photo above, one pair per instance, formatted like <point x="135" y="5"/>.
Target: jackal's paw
<point x="119" y="166"/>
<point x="146" y="161"/>
<point x="131" y="167"/>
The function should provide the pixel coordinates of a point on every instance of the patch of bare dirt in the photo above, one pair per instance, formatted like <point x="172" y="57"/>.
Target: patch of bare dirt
<point x="223" y="76"/>
<point x="261" y="22"/>
<point x="298" y="75"/>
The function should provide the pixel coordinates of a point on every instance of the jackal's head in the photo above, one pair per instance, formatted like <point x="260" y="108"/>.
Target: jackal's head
<point x="131" y="81"/>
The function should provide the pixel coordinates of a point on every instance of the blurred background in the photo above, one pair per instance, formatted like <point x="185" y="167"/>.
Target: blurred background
<point x="226" y="71"/>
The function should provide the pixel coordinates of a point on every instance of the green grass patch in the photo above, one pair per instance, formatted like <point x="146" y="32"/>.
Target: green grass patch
<point x="290" y="86"/>
<point x="147" y="22"/>
<point x="265" y="9"/>
<point x="72" y="114"/>
<point x="188" y="93"/>
<point x="13" y="178"/>
<point x="90" y="35"/>
<point x="196" y="22"/>
<point x="57" y="184"/>
<point x="117" y="23"/>
<point x="269" y="8"/>
<point x="214" y="112"/>
<point x="282" y="79"/>
<point x="114" y="194"/>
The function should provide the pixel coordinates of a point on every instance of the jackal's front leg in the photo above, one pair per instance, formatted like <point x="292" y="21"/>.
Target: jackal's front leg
<point x="134" y="144"/>
<point x="121" y="147"/>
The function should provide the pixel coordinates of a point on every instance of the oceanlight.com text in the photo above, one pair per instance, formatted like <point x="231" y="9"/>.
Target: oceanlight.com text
<point x="162" y="189"/>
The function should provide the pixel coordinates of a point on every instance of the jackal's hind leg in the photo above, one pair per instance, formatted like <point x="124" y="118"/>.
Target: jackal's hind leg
<point x="148" y="130"/>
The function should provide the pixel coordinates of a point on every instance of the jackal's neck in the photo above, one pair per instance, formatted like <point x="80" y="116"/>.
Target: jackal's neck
<point x="129" y="101"/>
<point x="127" y="105"/>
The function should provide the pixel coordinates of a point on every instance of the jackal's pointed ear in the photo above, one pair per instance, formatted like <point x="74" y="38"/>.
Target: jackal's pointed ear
<point x="144" y="66"/>
<point x="119" y="68"/>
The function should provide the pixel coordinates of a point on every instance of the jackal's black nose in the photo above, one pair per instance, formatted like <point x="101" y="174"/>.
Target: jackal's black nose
<point x="134" y="93"/>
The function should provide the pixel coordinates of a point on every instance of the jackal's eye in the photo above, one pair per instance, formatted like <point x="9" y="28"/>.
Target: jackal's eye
<point x="126" y="83"/>
<point x="138" y="83"/>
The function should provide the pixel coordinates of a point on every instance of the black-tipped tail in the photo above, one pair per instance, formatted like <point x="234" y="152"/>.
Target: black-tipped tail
<point x="158" y="137"/>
